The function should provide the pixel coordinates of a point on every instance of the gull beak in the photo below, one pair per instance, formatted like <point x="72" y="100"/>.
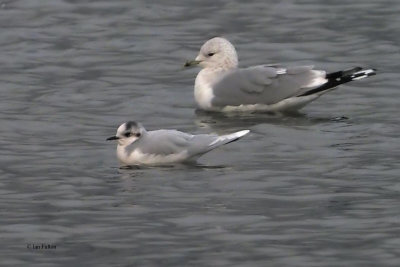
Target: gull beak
<point x="191" y="63"/>
<point x="112" y="138"/>
<point x="195" y="62"/>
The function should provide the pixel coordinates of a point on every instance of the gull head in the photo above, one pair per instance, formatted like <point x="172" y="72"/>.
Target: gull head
<point x="128" y="133"/>
<point x="216" y="53"/>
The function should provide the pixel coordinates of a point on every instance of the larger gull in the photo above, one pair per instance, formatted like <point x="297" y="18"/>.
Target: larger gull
<point x="222" y="86"/>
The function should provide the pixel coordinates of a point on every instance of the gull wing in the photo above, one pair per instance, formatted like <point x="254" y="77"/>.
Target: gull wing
<point x="264" y="84"/>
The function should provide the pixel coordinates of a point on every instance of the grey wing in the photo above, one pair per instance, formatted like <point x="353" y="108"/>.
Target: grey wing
<point x="164" y="142"/>
<point x="264" y="84"/>
<point x="201" y="143"/>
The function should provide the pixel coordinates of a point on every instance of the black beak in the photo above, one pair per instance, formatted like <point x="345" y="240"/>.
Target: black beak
<point x="112" y="138"/>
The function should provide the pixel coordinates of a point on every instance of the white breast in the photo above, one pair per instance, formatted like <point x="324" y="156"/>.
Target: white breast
<point x="203" y="92"/>
<point x="137" y="157"/>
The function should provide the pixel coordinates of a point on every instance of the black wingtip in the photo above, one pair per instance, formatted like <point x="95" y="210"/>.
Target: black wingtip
<point x="341" y="77"/>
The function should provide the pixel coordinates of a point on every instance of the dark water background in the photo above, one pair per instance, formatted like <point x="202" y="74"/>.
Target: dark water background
<point x="317" y="189"/>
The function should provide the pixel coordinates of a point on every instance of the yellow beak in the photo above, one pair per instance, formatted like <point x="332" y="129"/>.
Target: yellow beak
<point x="191" y="63"/>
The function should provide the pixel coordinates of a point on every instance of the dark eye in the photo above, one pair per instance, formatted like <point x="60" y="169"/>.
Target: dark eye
<point x="137" y="134"/>
<point x="127" y="134"/>
<point x="210" y="54"/>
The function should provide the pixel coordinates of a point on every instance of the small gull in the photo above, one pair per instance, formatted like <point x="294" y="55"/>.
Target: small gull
<point x="136" y="146"/>
<point x="222" y="86"/>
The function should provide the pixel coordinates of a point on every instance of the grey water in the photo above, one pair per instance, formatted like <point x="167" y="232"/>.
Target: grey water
<point x="317" y="188"/>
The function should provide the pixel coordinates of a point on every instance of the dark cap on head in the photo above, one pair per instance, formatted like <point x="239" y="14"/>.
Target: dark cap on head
<point x="131" y="124"/>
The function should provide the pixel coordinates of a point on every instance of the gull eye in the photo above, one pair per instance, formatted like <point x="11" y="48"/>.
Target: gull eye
<point x="137" y="134"/>
<point x="210" y="54"/>
<point x="127" y="134"/>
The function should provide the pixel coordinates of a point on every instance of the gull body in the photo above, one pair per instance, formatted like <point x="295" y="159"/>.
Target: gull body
<point x="222" y="86"/>
<point x="137" y="146"/>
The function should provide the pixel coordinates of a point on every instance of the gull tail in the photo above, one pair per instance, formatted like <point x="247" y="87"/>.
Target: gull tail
<point x="229" y="138"/>
<point x="340" y="77"/>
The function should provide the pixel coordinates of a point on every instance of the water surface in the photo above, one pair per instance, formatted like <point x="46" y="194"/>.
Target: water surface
<point x="319" y="188"/>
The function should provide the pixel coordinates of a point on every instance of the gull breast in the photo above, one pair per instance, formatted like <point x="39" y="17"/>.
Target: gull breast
<point x="203" y="92"/>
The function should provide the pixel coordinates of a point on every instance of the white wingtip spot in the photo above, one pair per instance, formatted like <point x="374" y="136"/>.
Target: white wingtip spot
<point x="281" y="71"/>
<point x="241" y="133"/>
<point x="369" y="71"/>
<point x="363" y="74"/>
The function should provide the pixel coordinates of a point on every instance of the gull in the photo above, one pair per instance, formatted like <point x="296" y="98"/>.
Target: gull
<point x="136" y="146"/>
<point x="222" y="86"/>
